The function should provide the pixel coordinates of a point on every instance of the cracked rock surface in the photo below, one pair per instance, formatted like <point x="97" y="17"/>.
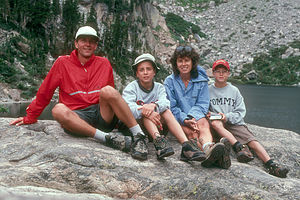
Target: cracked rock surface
<point x="40" y="161"/>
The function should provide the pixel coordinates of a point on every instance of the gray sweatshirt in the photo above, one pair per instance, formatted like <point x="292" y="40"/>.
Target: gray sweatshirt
<point x="136" y="96"/>
<point x="228" y="100"/>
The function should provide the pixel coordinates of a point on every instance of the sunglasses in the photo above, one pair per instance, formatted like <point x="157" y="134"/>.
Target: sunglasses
<point x="183" y="48"/>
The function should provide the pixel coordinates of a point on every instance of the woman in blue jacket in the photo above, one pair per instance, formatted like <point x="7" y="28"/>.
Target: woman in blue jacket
<point x="187" y="90"/>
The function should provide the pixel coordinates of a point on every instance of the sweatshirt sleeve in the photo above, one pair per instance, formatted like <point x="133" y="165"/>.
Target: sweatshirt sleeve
<point x="44" y="95"/>
<point x="175" y="109"/>
<point x="237" y="115"/>
<point x="163" y="103"/>
<point x="130" y="96"/>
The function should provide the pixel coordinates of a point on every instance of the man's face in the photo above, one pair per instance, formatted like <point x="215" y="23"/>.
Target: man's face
<point x="145" y="72"/>
<point x="86" y="46"/>
<point x="221" y="74"/>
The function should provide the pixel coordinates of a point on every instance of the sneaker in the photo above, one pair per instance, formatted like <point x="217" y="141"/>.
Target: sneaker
<point x="139" y="149"/>
<point x="191" y="152"/>
<point x="118" y="141"/>
<point x="244" y="155"/>
<point x="213" y="153"/>
<point x="225" y="162"/>
<point x="277" y="170"/>
<point x="162" y="148"/>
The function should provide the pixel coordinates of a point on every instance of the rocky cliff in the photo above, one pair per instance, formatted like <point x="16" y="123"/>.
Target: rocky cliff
<point x="238" y="30"/>
<point x="40" y="161"/>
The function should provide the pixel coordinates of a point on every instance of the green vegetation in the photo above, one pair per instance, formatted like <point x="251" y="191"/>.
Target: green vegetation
<point x="3" y="109"/>
<point x="272" y="69"/>
<point x="192" y="3"/>
<point x="181" y="28"/>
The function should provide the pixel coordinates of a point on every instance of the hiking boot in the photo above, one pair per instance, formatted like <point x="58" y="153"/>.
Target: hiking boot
<point x="225" y="162"/>
<point x="162" y="147"/>
<point x="118" y="141"/>
<point x="277" y="170"/>
<point x="243" y="154"/>
<point x="191" y="152"/>
<point x="213" y="153"/>
<point x="139" y="148"/>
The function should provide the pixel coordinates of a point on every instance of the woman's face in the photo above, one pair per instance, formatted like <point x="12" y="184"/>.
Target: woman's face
<point x="184" y="65"/>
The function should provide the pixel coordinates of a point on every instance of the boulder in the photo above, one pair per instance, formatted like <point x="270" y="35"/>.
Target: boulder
<point x="40" y="161"/>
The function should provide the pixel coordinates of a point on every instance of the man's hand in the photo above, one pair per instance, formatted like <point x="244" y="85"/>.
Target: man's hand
<point x="19" y="121"/>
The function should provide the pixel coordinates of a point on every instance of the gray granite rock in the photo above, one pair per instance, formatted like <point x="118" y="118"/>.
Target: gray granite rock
<point x="40" y="161"/>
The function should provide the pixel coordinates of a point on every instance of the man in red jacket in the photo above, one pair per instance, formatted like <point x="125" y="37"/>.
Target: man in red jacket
<point x="89" y="105"/>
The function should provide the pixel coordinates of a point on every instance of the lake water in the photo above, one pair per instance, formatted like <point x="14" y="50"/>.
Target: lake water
<point x="267" y="106"/>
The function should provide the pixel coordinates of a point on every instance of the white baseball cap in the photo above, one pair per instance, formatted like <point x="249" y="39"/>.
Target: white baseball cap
<point x="86" y="30"/>
<point x="145" y="57"/>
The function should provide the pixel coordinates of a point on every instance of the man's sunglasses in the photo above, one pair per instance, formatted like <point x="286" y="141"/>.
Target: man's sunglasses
<point x="183" y="48"/>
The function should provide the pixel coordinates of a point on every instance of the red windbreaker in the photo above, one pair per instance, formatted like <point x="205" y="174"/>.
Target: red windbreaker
<point x="79" y="86"/>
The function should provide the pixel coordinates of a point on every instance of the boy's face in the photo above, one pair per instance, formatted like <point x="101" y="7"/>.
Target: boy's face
<point x="221" y="74"/>
<point x="145" y="72"/>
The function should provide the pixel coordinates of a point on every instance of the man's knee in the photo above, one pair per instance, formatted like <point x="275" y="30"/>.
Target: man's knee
<point x="108" y="93"/>
<point x="60" y="110"/>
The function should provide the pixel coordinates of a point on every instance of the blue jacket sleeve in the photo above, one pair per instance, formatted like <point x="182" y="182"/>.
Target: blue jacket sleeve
<point x="200" y="109"/>
<point x="177" y="112"/>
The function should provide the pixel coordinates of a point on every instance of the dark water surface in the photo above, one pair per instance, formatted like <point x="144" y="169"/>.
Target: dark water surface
<point x="274" y="107"/>
<point x="267" y="106"/>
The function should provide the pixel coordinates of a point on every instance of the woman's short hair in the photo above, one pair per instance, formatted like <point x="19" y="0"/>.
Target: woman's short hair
<point x="185" y="51"/>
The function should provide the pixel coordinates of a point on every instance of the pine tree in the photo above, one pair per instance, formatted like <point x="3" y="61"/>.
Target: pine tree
<point x="55" y="8"/>
<point x="39" y="14"/>
<point x="92" y="18"/>
<point x="70" y="21"/>
<point x="5" y="9"/>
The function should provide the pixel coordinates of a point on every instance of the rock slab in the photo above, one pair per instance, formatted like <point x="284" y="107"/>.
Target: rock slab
<point x="40" y="161"/>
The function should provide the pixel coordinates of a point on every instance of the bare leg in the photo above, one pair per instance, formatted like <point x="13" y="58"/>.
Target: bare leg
<point x="205" y="134"/>
<point x="218" y="126"/>
<point x="174" y="126"/>
<point x="190" y="134"/>
<point x="71" y="121"/>
<point x="112" y="103"/>
<point x="259" y="150"/>
<point x="151" y="128"/>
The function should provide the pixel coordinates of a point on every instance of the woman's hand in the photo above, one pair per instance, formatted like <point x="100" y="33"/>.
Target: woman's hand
<point x="192" y="124"/>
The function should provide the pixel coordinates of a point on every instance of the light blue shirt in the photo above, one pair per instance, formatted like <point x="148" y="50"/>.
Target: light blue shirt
<point x="191" y="101"/>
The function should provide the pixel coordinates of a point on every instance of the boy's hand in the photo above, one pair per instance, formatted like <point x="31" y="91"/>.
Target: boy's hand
<point x="147" y="109"/>
<point x="155" y="118"/>
<point x="223" y="117"/>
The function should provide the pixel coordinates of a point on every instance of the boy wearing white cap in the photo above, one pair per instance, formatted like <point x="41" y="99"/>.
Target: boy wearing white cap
<point x="227" y="101"/>
<point x="89" y="105"/>
<point x="148" y="102"/>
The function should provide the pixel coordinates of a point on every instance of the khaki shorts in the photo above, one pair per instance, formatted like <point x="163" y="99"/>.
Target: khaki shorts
<point x="240" y="132"/>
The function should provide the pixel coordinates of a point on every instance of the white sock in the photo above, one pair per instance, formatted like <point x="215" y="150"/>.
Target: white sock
<point x="207" y="143"/>
<point x="136" y="129"/>
<point x="100" y="135"/>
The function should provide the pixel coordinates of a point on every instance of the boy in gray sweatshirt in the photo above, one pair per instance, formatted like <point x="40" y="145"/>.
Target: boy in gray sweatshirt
<point x="148" y="102"/>
<point x="227" y="101"/>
